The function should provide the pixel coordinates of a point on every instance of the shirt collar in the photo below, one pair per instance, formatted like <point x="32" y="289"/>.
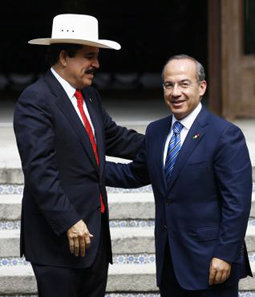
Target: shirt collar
<point x="189" y="119"/>
<point x="66" y="86"/>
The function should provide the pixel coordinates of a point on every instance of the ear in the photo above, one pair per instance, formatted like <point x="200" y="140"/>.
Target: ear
<point x="202" y="87"/>
<point x="63" y="58"/>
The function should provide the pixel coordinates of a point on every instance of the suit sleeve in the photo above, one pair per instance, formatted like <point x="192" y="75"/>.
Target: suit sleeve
<point x="234" y="176"/>
<point x="120" y="141"/>
<point x="34" y="130"/>
<point x="131" y="175"/>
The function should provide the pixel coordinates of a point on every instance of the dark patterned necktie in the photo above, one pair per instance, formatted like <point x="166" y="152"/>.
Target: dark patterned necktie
<point x="173" y="149"/>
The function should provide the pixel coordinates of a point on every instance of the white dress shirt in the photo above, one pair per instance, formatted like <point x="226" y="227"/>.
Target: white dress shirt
<point x="187" y="123"/>
<point x="70" y="93"/>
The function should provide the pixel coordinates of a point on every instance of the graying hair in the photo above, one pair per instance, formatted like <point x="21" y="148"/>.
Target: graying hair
<point x="199" y="66"/>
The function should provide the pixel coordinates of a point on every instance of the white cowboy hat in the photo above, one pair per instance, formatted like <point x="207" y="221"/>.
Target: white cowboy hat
<point x="76" y="29"/>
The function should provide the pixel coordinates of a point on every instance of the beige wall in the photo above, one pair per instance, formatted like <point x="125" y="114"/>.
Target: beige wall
<point x="231" y="73"/>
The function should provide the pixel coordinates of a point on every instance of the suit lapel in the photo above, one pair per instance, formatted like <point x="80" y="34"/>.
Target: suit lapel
<point x="159" y="141"/>
<point x="195" y="135"/>
<point x="96" y="124"/>
<point x="65" y="105"/>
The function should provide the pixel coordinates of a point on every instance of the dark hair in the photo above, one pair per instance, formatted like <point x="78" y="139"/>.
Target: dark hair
<point x="199" y="66"/>
<point x="54" y="50"/>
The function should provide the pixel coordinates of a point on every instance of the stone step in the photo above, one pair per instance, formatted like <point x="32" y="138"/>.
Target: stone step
<point x="122" y="278"/>
<point x="127" y="240"/>
<point x="137" y="294"/>
<point x="124" y="241"/>
<point x="10" y="207"/>
<point x="14" y="175"/>
<point x="122" y="206"/>
<point x="252" y="213"/>
<point x="11" y="176"/>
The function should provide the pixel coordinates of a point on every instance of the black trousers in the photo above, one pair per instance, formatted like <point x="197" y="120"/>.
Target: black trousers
<point x="170" y="287"/>
<point x="66" y="282"/>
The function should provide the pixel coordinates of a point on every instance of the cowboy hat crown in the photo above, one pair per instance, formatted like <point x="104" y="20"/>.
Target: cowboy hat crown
<point x="76" y="29"/>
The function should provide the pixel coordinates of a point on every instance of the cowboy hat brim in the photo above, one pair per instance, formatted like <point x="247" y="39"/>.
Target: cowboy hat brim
<point x="102" y="43"/>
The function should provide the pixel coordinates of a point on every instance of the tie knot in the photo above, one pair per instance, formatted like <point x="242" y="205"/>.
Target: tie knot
<point x="78" y="95"/>
<point x="177" y="127"/>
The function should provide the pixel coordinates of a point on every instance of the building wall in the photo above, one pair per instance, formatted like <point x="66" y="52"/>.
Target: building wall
<point x="232" y="73"/>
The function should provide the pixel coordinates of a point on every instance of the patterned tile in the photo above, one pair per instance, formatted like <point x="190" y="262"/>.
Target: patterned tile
<point x="132" y="223"/>
<point x="252" y="257"/>
<point x="134" y="259"/>
<point x="13" y="262"/>
<point x="19" y="296"/>
<point x="6" y="189"/>
<point x="18" y="189"/>
<point x="146" y="189"/>
<point x="9" y="225"/>
<point x="241" y="294"/>
<point x="251" y="222"/>
<point x="117" y="259"/>
<point x="246" y="294"/>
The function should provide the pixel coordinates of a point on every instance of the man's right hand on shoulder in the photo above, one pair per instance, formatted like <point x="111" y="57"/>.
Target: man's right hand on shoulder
<point x="79" y="238"/>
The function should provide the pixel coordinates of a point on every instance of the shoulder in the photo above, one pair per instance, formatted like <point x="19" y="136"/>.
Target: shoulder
<point x="38" y="89"/>
<point x="37" y="97"/>
<point x="223" y="132"/>
<point x="159" y="124"/>
<point x="218" y="124"/>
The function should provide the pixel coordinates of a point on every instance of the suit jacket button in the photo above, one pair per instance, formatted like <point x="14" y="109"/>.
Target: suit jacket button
<point x="168" y="201"/>
<point x="165" y="227"/>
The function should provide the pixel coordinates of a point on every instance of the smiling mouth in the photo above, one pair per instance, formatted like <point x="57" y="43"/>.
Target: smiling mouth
<point x="177" y="102"/>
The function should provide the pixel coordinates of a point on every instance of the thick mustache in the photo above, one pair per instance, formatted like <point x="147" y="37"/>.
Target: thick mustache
<point x="91" y="71"/>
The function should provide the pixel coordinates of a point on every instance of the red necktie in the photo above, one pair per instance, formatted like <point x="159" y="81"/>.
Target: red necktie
<point x="88" y="128"/>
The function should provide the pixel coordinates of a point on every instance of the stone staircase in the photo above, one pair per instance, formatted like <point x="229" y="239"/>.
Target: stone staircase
<point x="132" y="229"/>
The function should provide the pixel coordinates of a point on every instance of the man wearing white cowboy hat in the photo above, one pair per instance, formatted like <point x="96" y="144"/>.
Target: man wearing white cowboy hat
<point x="63" y="134"/>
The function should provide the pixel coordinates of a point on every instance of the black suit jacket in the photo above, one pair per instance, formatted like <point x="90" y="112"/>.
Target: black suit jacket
<point x="62" y="179"/>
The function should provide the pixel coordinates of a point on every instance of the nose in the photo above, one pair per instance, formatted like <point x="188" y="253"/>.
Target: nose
<point x="96" y="63"/>
<point x="176" y="90"/>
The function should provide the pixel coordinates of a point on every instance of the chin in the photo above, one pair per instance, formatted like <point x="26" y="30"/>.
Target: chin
<point x="86" y="83"/>
<point x="177" y="113"/>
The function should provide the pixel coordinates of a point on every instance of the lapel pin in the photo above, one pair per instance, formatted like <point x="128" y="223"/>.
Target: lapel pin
<point x="196" y="136"/>
<point x="90" y="99"/>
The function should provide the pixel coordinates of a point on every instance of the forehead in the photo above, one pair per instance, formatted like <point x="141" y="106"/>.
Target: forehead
<point x="88" y="49"/>
<point x="182" y="68"/>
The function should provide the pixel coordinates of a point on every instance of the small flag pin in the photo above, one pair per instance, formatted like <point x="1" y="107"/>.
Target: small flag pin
<point x="196" y="136"/>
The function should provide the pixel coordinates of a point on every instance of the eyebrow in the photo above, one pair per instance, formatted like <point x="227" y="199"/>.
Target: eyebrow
<point x="185" y="80"/>
<point x="180" y="81"/>
<point x="91" y="54"/>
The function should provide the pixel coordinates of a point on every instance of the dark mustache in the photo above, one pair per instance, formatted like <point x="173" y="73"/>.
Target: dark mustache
<point x="91" y="71"/>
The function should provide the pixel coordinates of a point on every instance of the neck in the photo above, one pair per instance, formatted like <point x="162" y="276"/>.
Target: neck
<point x="60" y="71"/>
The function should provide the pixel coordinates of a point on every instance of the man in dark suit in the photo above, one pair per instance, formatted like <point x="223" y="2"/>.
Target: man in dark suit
<point x="63" y="134"/>
<point x="200" y="171"/>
